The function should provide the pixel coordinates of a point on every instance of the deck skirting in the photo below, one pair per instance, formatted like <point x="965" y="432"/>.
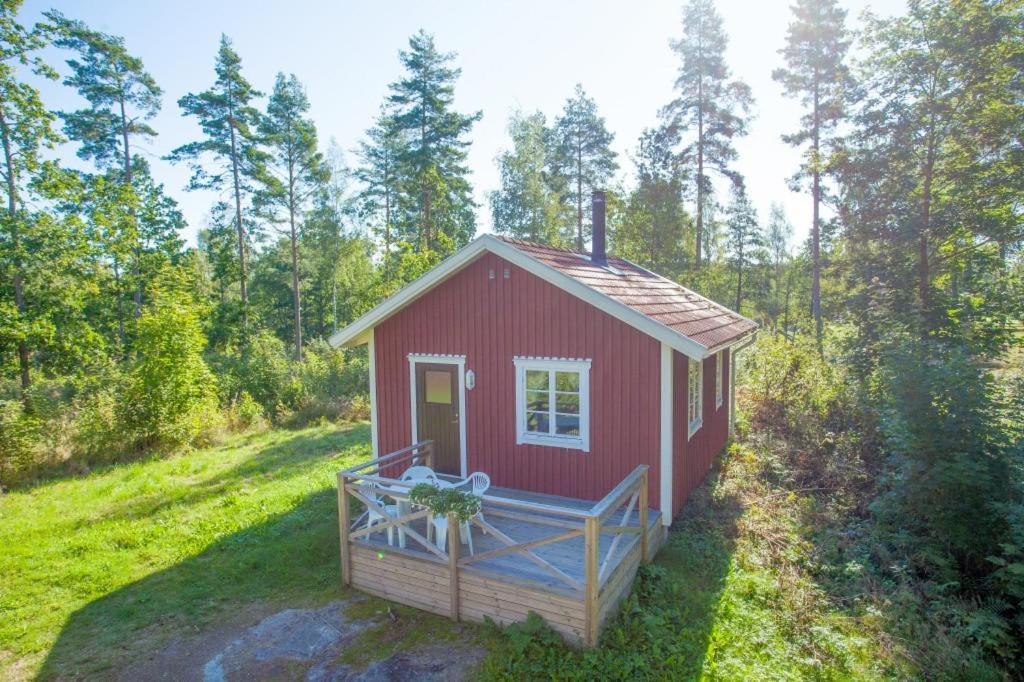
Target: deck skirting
<point x="424" y="583"/>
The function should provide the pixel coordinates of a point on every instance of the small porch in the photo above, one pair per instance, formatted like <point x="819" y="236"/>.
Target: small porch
<point x="569" y="560"/>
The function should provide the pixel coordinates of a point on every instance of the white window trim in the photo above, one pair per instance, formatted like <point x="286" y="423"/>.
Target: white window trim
<point x="694" y="426"/>
<point x="524" y="437"/>
<point x="718" y="380"/>
<point x="459" y="360"/>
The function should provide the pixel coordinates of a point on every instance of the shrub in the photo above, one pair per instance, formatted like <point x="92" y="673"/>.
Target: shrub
<point x="247" y="411"/>
<point x="97" y="430"/>
<point x="20" y="442"/>
<point x="171" y="397"/>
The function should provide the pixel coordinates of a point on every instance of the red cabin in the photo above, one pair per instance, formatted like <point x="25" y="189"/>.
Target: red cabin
<point x="553" y="371"/>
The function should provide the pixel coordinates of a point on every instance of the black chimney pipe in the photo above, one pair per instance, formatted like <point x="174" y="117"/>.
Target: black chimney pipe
<point x="597" y="251"/>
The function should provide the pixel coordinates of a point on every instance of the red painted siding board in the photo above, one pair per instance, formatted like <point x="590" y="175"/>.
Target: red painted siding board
<point x="490" y="321"/>
<point x="693" y="458"/>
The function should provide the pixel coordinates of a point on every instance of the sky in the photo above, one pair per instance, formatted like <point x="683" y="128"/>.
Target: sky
<point x="523" y="54"/>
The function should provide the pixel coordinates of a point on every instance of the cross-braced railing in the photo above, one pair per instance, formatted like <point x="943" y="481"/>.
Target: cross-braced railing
<point x="367" y="482"/>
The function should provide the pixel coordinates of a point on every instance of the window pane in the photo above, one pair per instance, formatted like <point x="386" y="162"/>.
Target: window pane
<point x="538" y="422"/>
<point x="567" y="402"/>
<point x="537" y="379"/>
<point x="567" y="381"/>
<point x="537" y="401"/>
<point x="567" y="424"/>
<point x="439" y="387"/>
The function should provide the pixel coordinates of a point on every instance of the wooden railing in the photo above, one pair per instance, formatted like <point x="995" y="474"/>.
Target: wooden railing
<point x="630" y="495"/>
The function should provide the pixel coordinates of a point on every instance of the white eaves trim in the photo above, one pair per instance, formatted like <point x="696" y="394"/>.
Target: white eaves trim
<point x="356" y="333"/>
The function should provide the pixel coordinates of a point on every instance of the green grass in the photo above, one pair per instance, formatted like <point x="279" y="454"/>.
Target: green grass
<point x="97" y="568"/>
<point x="729" y="597"/>
<point x="100" y="570"/>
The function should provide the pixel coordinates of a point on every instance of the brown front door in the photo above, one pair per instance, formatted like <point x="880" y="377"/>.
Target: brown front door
<point x="437" y="413"/>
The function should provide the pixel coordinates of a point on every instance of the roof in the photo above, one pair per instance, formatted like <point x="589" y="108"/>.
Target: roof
<point x="684" y="311"/>
<point x="688" y="322"/>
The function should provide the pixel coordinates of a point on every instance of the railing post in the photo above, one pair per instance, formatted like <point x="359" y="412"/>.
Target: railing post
<point x="454" y="539"/>
<point x="343" y="530"/>
<point x="643" y="518"/>
<point x="591" y="588"/>
<point x="430" y="455"/>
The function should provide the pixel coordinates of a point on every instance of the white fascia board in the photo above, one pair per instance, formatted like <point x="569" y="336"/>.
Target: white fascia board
<point x="353" y="334"/>
<point x="621" y="311"/>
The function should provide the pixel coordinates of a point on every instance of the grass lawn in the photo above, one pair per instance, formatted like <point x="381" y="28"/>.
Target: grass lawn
<point x="100" y="570"/>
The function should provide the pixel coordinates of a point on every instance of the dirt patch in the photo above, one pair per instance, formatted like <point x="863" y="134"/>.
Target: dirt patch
<point x="301" y="644"/>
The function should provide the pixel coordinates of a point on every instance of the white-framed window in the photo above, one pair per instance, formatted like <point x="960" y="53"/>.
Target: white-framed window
<point x="553" y="402"/>
<point x="694" y="395"/>
<point x="718" y="379"/>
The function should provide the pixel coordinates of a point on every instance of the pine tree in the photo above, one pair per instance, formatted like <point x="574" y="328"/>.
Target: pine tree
<point x="26" y="128"/>
<point x="744" y="238"/>
<point x="435" y="203"/>
<point x="710" y="110"/>
<point x="780" y="231"/>
<point x="122" y="97"/>
<point x="816" y="73"/>
<point x="295" y="170"/>
<point x="525" y="205"/>
<point x="584" y="159"/>
<point x="930" y="173"/>
<point x="379" y="156"/>
<point x="228" y="122"/>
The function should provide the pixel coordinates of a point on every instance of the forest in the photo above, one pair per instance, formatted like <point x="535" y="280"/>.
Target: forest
<point x="888" y="377"/>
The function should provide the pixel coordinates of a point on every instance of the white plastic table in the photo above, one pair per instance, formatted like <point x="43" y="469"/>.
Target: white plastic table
<point x="404" y="506"/>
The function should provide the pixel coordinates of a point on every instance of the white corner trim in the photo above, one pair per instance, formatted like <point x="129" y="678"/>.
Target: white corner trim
<point x="524" y="437"/>
<point x="374" y="421"/>
<point x="354" y="334"/>
<point x="459" y="360"/>
<point x="665" y="474"/>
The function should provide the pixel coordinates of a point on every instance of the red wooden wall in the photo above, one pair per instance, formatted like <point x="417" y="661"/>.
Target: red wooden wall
<point x="490" y="321"/>
<point x="691" y="459"/>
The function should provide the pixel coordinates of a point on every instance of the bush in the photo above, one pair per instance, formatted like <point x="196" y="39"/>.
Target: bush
<point x="20" y="442"/>
<point x="97" y="432"/>
<point x="329" y="385"/>
<point x="171" y="396"/>
<point x="245" y="413"/>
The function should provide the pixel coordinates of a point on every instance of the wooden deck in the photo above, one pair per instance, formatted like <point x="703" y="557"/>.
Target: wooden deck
<point x="571" y="561"/>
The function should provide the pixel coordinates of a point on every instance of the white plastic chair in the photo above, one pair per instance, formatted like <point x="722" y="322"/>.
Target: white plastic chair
<point x="479" y="482"/>
<point x="419" y="472"/>
<point x="373" y="517"/>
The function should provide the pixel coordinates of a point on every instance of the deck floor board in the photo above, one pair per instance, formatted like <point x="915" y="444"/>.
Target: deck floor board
<point x="566" y="555"/>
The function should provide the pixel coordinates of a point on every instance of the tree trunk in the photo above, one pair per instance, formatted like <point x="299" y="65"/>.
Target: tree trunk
<point x="137" y="247"/>
<point x="296" y="294"/>
<point x="334" y="302"/>
<point x="700" y="159"/>
<point x="815" y="221"/>
<point x="579" y="198"/>
<point x="244" y="275"/>
<point x="387" y="225"/>
<point x="119" y="307"/>
<point x="739" y="285"/>
<point x="923" y="265"/>
<point x="17" y="277"/>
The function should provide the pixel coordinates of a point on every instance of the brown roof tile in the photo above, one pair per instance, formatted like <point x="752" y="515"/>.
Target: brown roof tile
<point x="684" y="311"/>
